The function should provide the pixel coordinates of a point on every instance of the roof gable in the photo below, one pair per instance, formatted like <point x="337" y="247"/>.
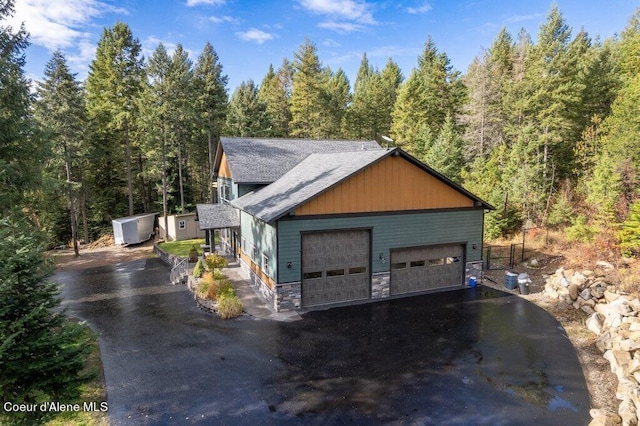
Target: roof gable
<point x="263" y="161"/>
<point x="337" y="176"/>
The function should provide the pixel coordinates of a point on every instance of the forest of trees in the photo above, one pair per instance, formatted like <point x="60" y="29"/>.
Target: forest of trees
<point x="547" y="129"/>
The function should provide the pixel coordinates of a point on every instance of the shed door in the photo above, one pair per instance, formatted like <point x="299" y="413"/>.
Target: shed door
<point x="426" y="268"/>
<point x="335" y="267"/>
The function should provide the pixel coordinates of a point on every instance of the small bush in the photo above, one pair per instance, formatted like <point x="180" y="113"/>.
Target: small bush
<point x="193" y="254"/>
<point x="198" y="270"/>
<point x="580" y="231"/>
<point x="229" y="306"/>
<point x="215" y="261"/>
<point x="205" y="283"/>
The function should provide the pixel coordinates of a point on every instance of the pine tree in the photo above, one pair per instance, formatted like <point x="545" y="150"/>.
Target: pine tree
<point x="308" y="96"/>
<point x="629" y="235"/>
<point x="61" y="112"/>
<point x="247" y="114"/>
<point x="275" y="93"/>
<point x="41" y="355"/>
<point x="336" y="99"/>
<point x="113" y="86"/>
<point x="210" y="89"/>
<point x="445" y="154"/>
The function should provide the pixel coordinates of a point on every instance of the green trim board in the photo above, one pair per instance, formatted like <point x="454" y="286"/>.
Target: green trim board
<point x="387" y="232"/>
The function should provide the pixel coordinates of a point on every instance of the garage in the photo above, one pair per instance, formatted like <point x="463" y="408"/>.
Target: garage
<point x="415" y="269"/>
<point x="335" y="267"/>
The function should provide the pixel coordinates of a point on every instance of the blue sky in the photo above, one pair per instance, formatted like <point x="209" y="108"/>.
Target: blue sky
<point x="248" y="35"/>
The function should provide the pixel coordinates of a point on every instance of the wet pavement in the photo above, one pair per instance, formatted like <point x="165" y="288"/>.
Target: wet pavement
<point x="471" y="356"/>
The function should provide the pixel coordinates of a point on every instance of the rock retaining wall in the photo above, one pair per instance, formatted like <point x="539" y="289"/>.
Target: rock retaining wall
<point x="614" y="318"/>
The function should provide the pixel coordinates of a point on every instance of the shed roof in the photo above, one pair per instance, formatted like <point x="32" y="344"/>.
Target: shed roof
<point x="263" y="161"/>
<point x="217" y="216"/>
<point x="316" y="174"/>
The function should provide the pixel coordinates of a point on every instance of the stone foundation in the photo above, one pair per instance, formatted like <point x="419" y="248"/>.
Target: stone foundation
<point x="288" y="296"/>
<point x="380" y="285"/>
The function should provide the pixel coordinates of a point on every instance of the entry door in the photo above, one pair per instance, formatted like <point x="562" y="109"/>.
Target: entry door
<point x="335" y="267"/>
<point x="434" y="267"/>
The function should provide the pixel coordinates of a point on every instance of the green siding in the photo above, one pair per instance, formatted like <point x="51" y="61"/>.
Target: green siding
<point x="245" y="189"/>
<point x="263" y="235"/>
<point x="233" y="188"/>
<point x="388" y="232"/>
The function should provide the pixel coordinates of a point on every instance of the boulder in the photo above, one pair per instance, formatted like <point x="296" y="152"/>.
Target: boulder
<point x="619" y="362"/>
<point x="594" y="324"/>
<point x="585" y="294"/>
<point x="587" y="309"/>
<point x="588" y="273"/>
<point x="573" y="291"/>
<point x="578" y="279"/>
<point x="564" y="282"/>
<point x="625" y="388"/>
<point x="629" y="345"/>
<point x="635" y="304"/>
<point x="603" y="418"/>
<point x="610" y="296"/>
<point x="634" y="325"/>
<point x="604" y="342"/>
<point x="627" y="412"/>
<point x="604" y="265"/>
<point x="597" y="291"/>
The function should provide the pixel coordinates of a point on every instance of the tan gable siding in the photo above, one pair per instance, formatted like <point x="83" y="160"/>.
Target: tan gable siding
<point x="224" y="171"/>
<point x="393" y="184"/>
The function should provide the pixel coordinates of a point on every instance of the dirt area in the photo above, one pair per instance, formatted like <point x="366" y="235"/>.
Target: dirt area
<point x="104" y="254"/>
<point x="601" y="382"/>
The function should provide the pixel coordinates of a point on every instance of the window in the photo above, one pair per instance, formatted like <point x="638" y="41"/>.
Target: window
<point x="243" y="247"/>
<point x="311" y="275"/>
<point x="357" y="270"/>
<point x="335" y="273"/>
<point x="265" y="264"/>
<point x="224" y="192"/>
<point x="399" y="265"/>
<point x="182" y="224"/>
<point x="254" y="253"/>
<point x="436" y="262"/>
<point x="417" y="263"/>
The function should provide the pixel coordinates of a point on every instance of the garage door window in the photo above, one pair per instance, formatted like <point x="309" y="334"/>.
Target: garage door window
<point x="335" y="273"/>
<point x="436" y="262"/>
<point x="311" y="275"/>
<point x="418" y="263"/>
<point x="357" y="270"/>
<point x="399" y="265"/>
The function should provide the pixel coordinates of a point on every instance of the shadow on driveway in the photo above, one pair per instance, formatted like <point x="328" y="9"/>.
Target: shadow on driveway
<point x="471" y="356"/>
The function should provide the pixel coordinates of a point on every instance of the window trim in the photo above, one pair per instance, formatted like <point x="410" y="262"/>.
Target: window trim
<point x="182" y="224"/>
<point x="265" y="264"/>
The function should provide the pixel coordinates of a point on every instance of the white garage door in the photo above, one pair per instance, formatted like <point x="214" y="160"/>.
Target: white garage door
<point x="426" y="268"/>
<point x="335" y="267"/>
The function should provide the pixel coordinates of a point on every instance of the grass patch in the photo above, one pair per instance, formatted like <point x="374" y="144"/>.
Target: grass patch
<point x="92" y="392"/>
<point x="182" y="248"/>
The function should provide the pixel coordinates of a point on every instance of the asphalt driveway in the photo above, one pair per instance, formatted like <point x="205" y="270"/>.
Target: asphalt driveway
<point x="473" y="356"/>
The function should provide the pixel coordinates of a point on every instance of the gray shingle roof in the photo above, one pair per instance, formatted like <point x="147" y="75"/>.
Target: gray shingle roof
<point x="262" y="161"/>
<point x="314" y="175"/>
<point x="217" y="216"/>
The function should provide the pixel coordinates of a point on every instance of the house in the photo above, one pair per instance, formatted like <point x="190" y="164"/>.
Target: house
<point x="319" y="222"/>
<point x="181" y="227"/>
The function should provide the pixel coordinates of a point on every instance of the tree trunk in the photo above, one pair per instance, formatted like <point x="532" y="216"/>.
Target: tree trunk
<point x="127" y="143"/>
<point x="72" y="208"/>
<point x="83" y="209"/>
<point x="211" y="159"/>
<point x="146" y="200"/>
<point x="164" y="189"/>
<point x="180" y="184"/>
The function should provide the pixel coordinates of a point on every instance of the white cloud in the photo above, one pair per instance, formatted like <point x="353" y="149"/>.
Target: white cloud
<point x="344" y="16"/>
<point x="423" y="8"/>
<point x="223" y="19"/>
<point x="150" y="44"/>
<point x="255" y="35"/>
<point x="341" y="27"/>
<point x="191" y="3"/>
<point x="521" y="18"/>
<point x="58" y="24"/>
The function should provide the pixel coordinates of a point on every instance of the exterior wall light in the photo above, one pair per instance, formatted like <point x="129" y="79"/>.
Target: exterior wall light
<point x="381" y="257"/>
<point x="289" y="265"/>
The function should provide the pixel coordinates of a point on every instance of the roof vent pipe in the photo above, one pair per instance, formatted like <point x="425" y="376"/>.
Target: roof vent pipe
<point x="387" y="139"/>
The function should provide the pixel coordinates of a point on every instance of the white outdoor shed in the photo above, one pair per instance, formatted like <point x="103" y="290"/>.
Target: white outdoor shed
<point x="134" y="229"/>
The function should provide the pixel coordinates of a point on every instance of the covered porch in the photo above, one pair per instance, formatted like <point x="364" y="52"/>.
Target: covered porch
<point x="223" y="220"/>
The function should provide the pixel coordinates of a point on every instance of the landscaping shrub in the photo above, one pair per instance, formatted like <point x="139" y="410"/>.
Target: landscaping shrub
<point x="229" y="306"/>
<point x="215" y="261"/>
<point x="205" y="283"/>
<point x="198" y="269"/>
<point x="193" y="254"/>
<point x="580" y="231"/>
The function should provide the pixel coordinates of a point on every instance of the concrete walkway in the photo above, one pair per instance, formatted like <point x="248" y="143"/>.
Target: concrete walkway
<point x="254" y="304"/>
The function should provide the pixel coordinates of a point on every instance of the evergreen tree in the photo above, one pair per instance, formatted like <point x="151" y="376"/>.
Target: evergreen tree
<point x="275" y="94"/>
<point x="42" y="354"/>
<point x="308" y="96"/>
<point x="113" y="86"/>
<point x="445" y="154"/>
<point x="61" y="112"/>
<point x="18" y="152"/>
<point x="629" y="235"/>
<point x="433" y="91"/>
<point x="247" y="114"/>
<point x="210" y="89"/>
<point x="336" y="99"/>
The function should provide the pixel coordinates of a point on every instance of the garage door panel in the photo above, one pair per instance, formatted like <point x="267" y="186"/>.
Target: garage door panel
<point x="426" y="268"/>
<point x="343" y="259"/>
